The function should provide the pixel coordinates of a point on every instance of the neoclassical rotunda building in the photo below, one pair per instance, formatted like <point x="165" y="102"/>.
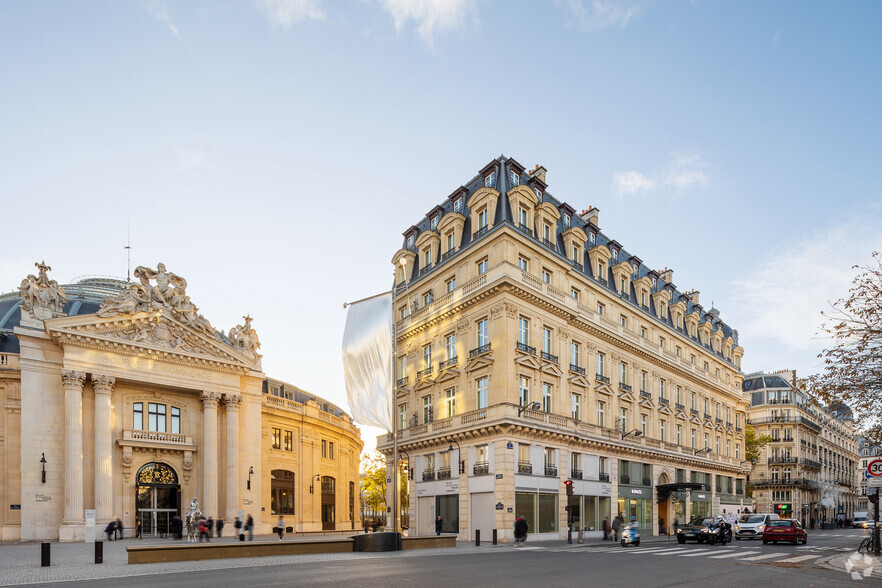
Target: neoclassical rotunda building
<point x="120" y="398"/>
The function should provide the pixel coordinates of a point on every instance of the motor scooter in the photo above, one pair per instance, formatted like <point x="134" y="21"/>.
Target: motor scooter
<point x="720" y="534"/>
<point x="631" y="535"/>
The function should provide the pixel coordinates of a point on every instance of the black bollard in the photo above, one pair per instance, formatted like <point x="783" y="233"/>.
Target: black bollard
<point x="99" y="552"/>
<point x="494" y="536"/>
<point x="44" y="555"/>
<point x="477" y="537"/>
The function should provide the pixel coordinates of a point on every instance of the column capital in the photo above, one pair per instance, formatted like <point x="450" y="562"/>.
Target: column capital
<point x="73" y="378"/>
<point x="209" y="399"/>
<point x="233" y="401"/>
<point x="102" y="384"/>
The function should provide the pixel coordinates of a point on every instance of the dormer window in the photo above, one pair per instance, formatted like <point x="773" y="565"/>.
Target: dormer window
<point x="600" y="272"/>
<point x="435" y="223"/>
<point x="546" y="232"/>
<point x="566" y="220"/>
<point x="427" y="257"/>
<point x="590" y="240"/>
<point x="410" y="241"/>
<point x="482" y="219"/>
<point x="451" y="244"/>
<point x="490" y="180"/>
<point x="538" y="193"/>
<point x="615" y="256"/>
<point x="522" y="217"/>
<point x="514" y="178"/>
<point x="457" y="205"/>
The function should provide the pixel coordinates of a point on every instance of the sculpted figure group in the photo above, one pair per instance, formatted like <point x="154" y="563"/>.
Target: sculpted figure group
<point x="40" y="295"/>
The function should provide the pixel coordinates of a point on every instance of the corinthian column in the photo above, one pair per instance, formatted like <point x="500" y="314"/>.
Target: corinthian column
<point x="73" y="446"/>
<point x="232" y="470"/>
<point x="103" y="386"/>
<point x="209" y="453"/>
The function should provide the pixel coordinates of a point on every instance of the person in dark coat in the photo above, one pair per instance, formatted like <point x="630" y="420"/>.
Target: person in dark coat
<point x="606" y="529"/>
<point x="219" y="525"/>
<point x="617" y="527"/>
<point x="238" y="526"/>
<point x="249" y="524"/>
<point x="119" y="529"/>
<point x="520" y="531"/>
<point x="438" y="525"/>
<point x="209" y="525"/>
<point x="109" y="529"/>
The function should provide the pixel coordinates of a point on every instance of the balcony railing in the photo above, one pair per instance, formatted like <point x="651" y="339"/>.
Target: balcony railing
<point x="779" y="459"/>
<point x="718" y="421"/>
<point x="425" y="269"/>
<point x="789" y="482"/>
<point x="728" y="425"/>
<point x="647" y="482"/>
<point x="550" y="244"/>
<point x="664" y="401"/>
<point x="645" y="395"/>
<point x="810" y="463"/>
<point x="550" y="470"/>
<point x="481" y="469"/>
<point x="479" y="350"/>
<point x="601" y="378"/>
<point x="428" y="475"/>
<point x="444" y="473"/>
<point x="707" y="417"/>
<point x="525" y="229"/>
<point x="625" y="478"/>
<point x="447" y="254"/>
<point x="624" y="387"/>
<point x="157" y="437"/>
<point x="481" y="231"/>
<point x="525" y="348"/>
<point x="737" y="429"/>
<point x="679" y="406"/>
<point x="548" y="357"/>
<point x="576" y="474"/>
<point x="402" y="381"/>
<point x="577" y="265"/>
<point x="577" y="369"/>
<point x="693" y="412"/>
<point x="426" y="372"/>
<point x="447" y="364"/>
<point x="525" y="467"/>
<point x="603" y="477"/>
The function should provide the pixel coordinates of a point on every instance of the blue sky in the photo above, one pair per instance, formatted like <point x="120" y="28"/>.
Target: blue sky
<point x="272" y="152"/>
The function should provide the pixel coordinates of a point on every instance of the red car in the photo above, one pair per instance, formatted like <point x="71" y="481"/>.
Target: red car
<point x="785" y="530"/>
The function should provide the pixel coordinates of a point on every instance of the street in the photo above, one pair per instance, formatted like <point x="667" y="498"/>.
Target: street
<point x="654" y="563"/>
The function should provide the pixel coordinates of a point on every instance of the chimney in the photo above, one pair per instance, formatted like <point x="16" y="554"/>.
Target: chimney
<point x="694" y="296"/>
<point x="590" y="215"/>
<point x="539" y="173"/>
<point x="667" y="276"/>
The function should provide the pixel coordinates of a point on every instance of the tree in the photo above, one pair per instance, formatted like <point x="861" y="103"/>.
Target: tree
<point x="373" y="483"/>
<point x="753" y="444"/>
<point x="852" y="373"/>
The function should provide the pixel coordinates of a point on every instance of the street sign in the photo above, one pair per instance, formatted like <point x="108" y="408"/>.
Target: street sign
<point x="874" y="482"/>
<point x="874" y="468"/>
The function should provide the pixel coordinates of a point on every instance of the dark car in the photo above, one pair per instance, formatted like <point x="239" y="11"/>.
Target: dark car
<point x="696" y="530"/>
<point x="785" y="530"/>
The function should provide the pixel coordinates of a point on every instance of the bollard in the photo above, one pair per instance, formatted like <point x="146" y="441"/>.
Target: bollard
<point x="494" y="536"/>
<point x="99" y="552"/>
<point x="44" y="555"/>
<point x="477" y="537"/>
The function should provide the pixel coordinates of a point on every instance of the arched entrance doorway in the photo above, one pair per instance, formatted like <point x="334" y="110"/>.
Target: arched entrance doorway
<point x="157" y="499"/>
<point x="664" y="508"/>
<point x="329" y="502"/>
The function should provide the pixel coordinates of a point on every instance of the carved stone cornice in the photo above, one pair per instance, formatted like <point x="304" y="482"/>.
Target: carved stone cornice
<point x="210" y="399"/>
<point x="73" y="379"/>
<point x="102" y="384"/>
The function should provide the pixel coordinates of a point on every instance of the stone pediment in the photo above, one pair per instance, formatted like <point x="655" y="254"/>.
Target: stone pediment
<point x="447" y="374"/>
<point x="626" y="397"/>
<point x="154" y="332"/>
<point x="664" y="409"/>
<point x="681" y="415"/>
<point x="528" y="361"/>
<point x="580" y="380"/>
<point x="696" y="420"/>
<point x="603" y="389"/>
<point x="552" y="369"/>
<point x="478" y="362"/>
<point x="423" y="383"/>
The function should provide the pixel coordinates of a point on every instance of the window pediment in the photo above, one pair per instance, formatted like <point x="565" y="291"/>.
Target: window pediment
<point x="484" y="199"/>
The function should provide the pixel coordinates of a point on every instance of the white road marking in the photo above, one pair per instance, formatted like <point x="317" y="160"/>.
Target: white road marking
<point x="800" y="558"/>
<point x="767" y="556"/>
<point x="726" y="555"/>
<point x="696" y="554"/>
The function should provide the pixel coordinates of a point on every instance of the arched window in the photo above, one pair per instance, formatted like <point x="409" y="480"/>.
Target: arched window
<point x="282" y="487"/>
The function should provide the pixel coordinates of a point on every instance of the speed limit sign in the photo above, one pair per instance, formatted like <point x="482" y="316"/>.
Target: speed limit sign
<point x="874" y="468"/>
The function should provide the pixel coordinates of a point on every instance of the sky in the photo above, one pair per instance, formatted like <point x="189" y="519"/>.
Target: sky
<point x="272" y="152"/>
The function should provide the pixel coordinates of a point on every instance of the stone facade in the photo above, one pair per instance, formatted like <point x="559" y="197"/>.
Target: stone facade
<point x="535" y="354"/>
<point x="132" y="404"/>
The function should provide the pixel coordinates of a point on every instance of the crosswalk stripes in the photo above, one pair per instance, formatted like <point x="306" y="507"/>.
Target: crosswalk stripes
<point x="800" y="558"/>
<point x="734" y="554"/>
<point x="766" y="556"/>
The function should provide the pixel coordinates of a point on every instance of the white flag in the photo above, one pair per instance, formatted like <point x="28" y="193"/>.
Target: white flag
<point x="367" y="360"/>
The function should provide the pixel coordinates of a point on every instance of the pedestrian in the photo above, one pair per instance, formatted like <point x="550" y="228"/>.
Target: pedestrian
<point x="177" y="527"/>
<point x="661" y="526"/>
<point x="119" y="529"/>
<point x="203" y="530"/>
<point x="438" y="525"/>
<point x="606" y="529"/>
<point x="249" y="524"/>
<point x="209" y="525"/>
<point x="238" y="526"/>
<point x="676" y="525"/>
<point x="219" y="525"/>
<point x="520" y="531"/>
<point x="616" y="527"/>
<point x="109" y="529"/>
<point x="280" y="526"/>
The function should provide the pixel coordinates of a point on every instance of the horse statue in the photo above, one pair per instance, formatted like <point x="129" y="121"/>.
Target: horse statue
<point x="193" y="517"/>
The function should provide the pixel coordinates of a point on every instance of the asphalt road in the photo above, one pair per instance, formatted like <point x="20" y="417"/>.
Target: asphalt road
<point x="656" y="564"/>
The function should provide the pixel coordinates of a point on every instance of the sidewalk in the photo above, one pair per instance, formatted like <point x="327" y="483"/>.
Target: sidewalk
<point x="857" y="565"/>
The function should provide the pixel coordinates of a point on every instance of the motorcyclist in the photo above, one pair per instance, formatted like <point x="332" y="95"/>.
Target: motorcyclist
<point x="724" y="531"/>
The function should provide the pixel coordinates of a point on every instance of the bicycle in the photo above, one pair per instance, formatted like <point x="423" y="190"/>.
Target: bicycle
<point x="866" y="545"/>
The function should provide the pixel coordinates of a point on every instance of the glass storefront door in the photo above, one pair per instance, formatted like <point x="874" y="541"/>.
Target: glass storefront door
<point x="157" y="499"/>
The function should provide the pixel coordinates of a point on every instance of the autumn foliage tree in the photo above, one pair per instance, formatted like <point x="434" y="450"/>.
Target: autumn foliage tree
<point x="853" y="365"/>
<point x="373" y="483"/>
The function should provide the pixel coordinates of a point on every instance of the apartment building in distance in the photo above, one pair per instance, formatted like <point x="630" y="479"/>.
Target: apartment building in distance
<point x="544" y="371"/>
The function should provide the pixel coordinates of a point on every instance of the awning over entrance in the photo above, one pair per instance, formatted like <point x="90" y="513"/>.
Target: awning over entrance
<point x="665" y="490"/>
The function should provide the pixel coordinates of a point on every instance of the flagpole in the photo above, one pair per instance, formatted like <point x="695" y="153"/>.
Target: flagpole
<point x="396" y="476"/>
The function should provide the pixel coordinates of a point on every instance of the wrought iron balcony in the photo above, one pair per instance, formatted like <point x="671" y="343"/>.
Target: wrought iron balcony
<point x="525" y="229"/>
<point x="577" y="369"/>
<point x="479" y="350"/>
<point x="624" y="387"/>
<point x="601" y="378"/>
<point x="481" y="468"/>
<point x="647" y="482"/>
<point x="402" y="381"/>
<point x="679" y="406"/>
<point x="737" y="429"/>
<point x="550" y="244"/>
<point x="425" y="269"/>
<point x="810" y="463"/>
<point x="426" y="372"/>
<point x="448" y="254"/>
<point x="481" y="231"/>
<point x="707" y="417"/>
<point x="625" y="478"/>
<point x="428" y="475"/>
<point x="603" y="477"/>
<point x="718" y="421"/>
<point x="525" y="348"/>
<point x="577" y="265"/>
<point x="645" y="395"/>
<point x="525" y="467"/>
<point x="444" y="473"/>
<point x="728" y="425"/>
<point x="576" y="474"/>
<point x="693" y="412"/>
<point x="548" y="357"/>
<point x="780" y="459"/>
<point x="550" y="470"/>
<point x="447" y="364"/>
<point x="664" y="401"/>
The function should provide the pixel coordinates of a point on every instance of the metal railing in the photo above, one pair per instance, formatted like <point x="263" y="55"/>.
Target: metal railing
<point x="481" y="231"/>
<point x="402" y="381"/>
<point x="779" y="459"/>
<point x="448" y="254"/>
<point x="645" y="395"/>
<point x="426" y="372"/>
<point x="479" y="350"/>
<point x="428" y="475"/>
<point x="603" y="477"/>
<point x="601" y="378"/>
<point x="550" y="244"/>
<point x="693" y="412"/>
<point x="548" y="357"/>
<point x="426" y="269"/>
<point x="664" y="401"/>
<point x="449" y="363"/>
<point x="577" y="369"/>
<point x="625" y="478"/>
<point x="525" y="348"/>
<point x="444" y="473"/>
<point x="679" y="406"/>
<point x="624" y="387"/>
<point x="576" y="474"/>
<point x="481" y="468"/>
<point x="525" y="467"/>
<point x="550" y="470"/>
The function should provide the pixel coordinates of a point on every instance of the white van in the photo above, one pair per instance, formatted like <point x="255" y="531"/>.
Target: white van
<point x="860" y="521"/>
<point x="752" y="526"/>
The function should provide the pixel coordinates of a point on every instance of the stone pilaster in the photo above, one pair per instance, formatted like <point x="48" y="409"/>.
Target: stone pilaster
<point x="209" y="453"/>
<point x="73" y="447"/>
<point x="233" y="401"/>
<point x="103" y="386"/>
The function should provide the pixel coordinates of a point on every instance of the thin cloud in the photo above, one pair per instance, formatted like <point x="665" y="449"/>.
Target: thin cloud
<point x="159" y="11"/>
<point x="685" y="171"/>
<point x="631" y="182"/>
<point x="593" y="15"/>
<point x="193" y="159"/>
<point x="430" y="17"/>
<point x="286" y="13"/>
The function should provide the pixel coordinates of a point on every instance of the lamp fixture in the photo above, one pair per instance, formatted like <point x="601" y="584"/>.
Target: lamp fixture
<point x="529" y="406"/>
<point x="635" y="432"/>
<point x="462" y="461"/>
<point x="250" y="473"/>
<point x="697" y="451"/>
<point x="43" y="463"/>
<point x="311" y="483"/>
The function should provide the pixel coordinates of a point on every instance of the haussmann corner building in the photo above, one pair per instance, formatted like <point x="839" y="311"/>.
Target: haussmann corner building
<point x="534" y="353"/>
<point x="120" y="398"/>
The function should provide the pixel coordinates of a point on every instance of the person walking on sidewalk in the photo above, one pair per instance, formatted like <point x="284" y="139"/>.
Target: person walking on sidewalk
<point x="606" y="529"/>
<point x="238" y="527"/>
<point x="219" y="525"/>
<point x="520" y="531"/>
<point x="617" y="527"/>
<point x="281" y="527"/>
<point x="438" y="525"/>
<point x="249" y="524"/>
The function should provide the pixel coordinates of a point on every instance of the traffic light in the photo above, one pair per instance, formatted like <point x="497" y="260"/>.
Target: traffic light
<point x="569" y="486"/>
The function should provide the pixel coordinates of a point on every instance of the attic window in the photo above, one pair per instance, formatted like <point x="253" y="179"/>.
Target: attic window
<point x="457" y="205"/>
<point x="615" y="256"/>
<point x="538" y="194"/>
<point x="514" y="178"/>
<point x="566" y="220"/>
<point x="410" y="241"/>
<point x="490" y="180"/>
<point x="435" y="223"/>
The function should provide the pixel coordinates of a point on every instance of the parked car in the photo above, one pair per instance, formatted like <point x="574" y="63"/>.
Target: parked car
<point x="785" y="530"/>
<point x="695" y="530"/>
<point x="751" y="526"/>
